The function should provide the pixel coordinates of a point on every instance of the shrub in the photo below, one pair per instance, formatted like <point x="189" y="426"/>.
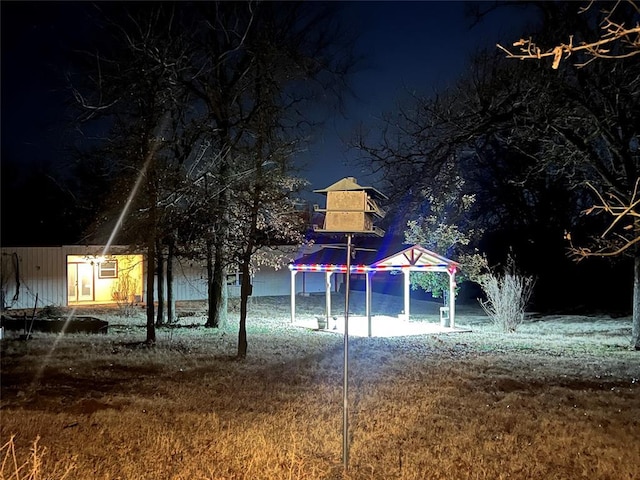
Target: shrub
<point x="51" y="311"/>
<point x="13" y="468"/>
<point x="508" y="294"/>
<point x="124" y="293"/>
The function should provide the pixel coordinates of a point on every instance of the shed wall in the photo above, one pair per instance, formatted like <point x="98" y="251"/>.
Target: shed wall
<point x="30" y="271"/>
<point x="189" y="281"/>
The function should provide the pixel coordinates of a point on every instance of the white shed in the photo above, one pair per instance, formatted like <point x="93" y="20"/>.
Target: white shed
<point x="85" y="275"/>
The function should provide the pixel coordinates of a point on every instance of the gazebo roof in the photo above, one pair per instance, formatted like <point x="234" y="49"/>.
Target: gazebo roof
<point x="415" y="257"/>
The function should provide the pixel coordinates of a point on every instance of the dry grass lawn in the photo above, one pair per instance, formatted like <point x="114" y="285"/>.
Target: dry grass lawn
<point x="560" y="399"/>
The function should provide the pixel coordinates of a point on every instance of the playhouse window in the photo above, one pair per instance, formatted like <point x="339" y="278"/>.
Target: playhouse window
<point x="108" y="269"/>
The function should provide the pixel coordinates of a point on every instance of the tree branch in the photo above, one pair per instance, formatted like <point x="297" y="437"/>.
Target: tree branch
<point x="619" y="210"/>
<point x="612" y="33"/>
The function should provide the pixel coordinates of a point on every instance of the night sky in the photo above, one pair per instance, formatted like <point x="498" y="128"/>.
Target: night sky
<point x="35" y="37"/>
<point x="408" y="46"/>
<point x="418" y="46"/>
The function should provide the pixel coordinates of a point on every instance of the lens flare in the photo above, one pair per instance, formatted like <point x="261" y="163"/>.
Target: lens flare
<point x="123" y="214"/>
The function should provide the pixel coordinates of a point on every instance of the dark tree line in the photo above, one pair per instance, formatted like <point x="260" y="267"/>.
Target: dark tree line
<point x="525" y="141"/>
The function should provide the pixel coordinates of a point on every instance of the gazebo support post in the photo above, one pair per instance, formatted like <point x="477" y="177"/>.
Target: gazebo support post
<point x="293" y="295"/>
<point x="407" y="287"/>
<point x="452" y="297"/>
<point x="327" y="285"/>
<point x="367" y="301"/>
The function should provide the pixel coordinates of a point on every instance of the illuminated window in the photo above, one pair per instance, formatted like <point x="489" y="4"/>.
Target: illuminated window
<point x="108" y="269"/>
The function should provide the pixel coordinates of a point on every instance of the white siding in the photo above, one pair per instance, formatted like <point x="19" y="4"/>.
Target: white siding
<point x="40" y="271"/>
<point x="314" y="282"/>
<point x="270" y="282"/>
<point x="189" y="281"/>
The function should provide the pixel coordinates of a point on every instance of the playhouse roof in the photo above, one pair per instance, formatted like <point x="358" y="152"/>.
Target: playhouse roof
<point x="350" y="183"/>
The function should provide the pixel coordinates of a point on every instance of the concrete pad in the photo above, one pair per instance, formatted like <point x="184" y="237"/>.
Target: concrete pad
<point x="381" y="326"/>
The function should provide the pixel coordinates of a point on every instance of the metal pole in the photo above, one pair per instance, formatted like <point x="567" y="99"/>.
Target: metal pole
<point x="345" y="385"/>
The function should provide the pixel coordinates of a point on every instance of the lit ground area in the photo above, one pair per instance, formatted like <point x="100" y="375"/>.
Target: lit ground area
<point x="559" y="399"/>
<point x="381" y="326"/>
<point x="387" y="319"/>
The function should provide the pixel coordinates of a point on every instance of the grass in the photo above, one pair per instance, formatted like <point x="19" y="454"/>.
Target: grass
<point x="560" y="399"/>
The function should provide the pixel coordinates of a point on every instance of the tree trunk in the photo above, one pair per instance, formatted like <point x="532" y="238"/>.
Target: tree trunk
<point x="223" y="311"/>
<point x="245" y="292"/>
<point x="160" y="284"/>
<point x="217" y="305"/>
<point x="171" y="303"/>
<point x="635" y="330"/>
<point x="209" y="254"/>
<point x="215" y="282"/>
<point x="216" y="302"/>
<point x="245" y="271"/>
<point x="151" y="255"/>
<point x="216" y="274"/>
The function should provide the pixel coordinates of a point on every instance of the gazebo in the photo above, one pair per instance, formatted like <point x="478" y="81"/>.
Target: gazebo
<point x="409" y="259"/>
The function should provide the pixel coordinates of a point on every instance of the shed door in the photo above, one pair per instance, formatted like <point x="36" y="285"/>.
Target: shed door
<point x="80" y="282"/>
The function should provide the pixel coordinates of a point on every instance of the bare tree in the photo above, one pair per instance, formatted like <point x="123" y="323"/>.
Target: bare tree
<point x="193" y="92"/>
<point x="130" y="86"/>
<point x="292" y="59"/>
<point x="527" y="133"/>
<point x="235" y="88"/>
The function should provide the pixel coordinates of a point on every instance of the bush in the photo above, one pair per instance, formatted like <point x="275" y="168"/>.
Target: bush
<point x="507" y="295"/>
<point x="124" y="293"/>
<point x="13" y="468"/>
<point x="51" y="311"/>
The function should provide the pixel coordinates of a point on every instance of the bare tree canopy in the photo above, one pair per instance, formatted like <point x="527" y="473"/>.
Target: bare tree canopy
<point x="526" y="140"/>
<point x="198" y="100"/>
